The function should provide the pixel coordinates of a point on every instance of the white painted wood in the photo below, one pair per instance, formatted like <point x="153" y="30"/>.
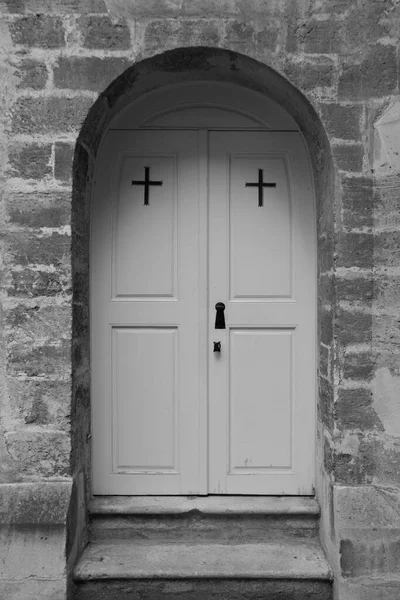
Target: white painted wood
<point x="144" y="411"/>
<point x="262" y="385"/>
<point x="169" y="415"/>
<point x="204" y="104"/>
<point x="139" y="268"/>
<point x="267" y="229"/>
<point x="148" y="373"/>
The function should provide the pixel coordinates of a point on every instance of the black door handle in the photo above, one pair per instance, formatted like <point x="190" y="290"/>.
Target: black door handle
<point x="220" y="317"/>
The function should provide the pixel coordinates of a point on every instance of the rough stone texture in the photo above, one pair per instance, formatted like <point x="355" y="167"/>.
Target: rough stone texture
<point x="55" y="57"/>
<point x="196" y="589"/>
<point x="88" y="73"/>
<point x="33" y="74"/>
<point x="38" y="31"/>
<point x="49" y="115"/>
<point x="31" y="162"/>
<point x="104" y="33"/>
<point x="32" y="539"/>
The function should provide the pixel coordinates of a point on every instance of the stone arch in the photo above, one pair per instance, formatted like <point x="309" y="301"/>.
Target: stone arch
<point x="177" y="66"/>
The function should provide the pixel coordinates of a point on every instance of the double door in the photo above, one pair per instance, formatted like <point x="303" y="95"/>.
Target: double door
<point x="183" y="221"/>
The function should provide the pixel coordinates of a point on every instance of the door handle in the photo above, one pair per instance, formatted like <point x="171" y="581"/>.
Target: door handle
<point x="220" y="317"/>
<point x="217" y="347"/>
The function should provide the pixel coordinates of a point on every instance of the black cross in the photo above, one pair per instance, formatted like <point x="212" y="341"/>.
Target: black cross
<point x="260" y="185"/>
<point x="147" y="183"/>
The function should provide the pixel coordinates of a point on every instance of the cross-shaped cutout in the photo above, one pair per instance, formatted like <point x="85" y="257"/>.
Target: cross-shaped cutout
<point x="260" y="184"/>
<point x="146" y="183"/>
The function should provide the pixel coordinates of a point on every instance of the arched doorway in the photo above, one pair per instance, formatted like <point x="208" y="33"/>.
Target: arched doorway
<point x="203" y="194"/>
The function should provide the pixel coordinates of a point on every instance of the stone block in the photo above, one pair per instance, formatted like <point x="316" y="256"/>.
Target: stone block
<point x="170" y="33"/>
<point x="385" y="455"/>
<point x="342" y="122"/>
<point x="321" y="37"/>
<point x="370" y="553"/>
<point x="40" y="503"/>
<point x="386" y="292"/>
<point x="42" y="361"/>
<point x="26" y="249"/>
<point x="349" y="157"/>
<point x="355" y="250"/>
<point x="364" y="507"/>
<point x="32" y="74"/>
<point x="148" y="9"/>
<point x="357" y="201"/>
<point x="353" y="463"/>
<point x="325" y="327"/>
<point x="325" y="253"/>
<point x="38" y="30"/>
<point x="267" y="38"/>
<point x="30" y="161"/>
<point x="358" y="366"/>
<point x="28" y="283"/>
<point x="37" y="324"/>
<point x="37" y="402"/>
<point x="63" y="159"/>
<point x="381" y="588"/>
<point x="375" y="77"/>
<point x="324" y="361"/>
<point x="33" y="540"/>
<point x="39" y="453"/>
<point x="353" y="410"/>
<point x="51" y="114"/>
<point x="355" y="289"/>
<point x="88" y="73"/>
<point x="308" y="76"/>
<point x="387" y="248"/>
<point x="240" y="35"/>
<point x="386" y="332"/>
<point x="105" y="34"/>
<point x="387" y="200"/>
<point x="39" y="209"/>
<point x="326" y="403"/>
<point x="55" y="6"/>
<point x="34" y="588"/>
<point x="354" y="327"/>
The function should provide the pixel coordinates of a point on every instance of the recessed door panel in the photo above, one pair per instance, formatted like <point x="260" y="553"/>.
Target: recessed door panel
<point x="260" y="212"/>
<point x="144" y="399"/>
<point x="145" y="229"/>
<point x="261" y="389"/>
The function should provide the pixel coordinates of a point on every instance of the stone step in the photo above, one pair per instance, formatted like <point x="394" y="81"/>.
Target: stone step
<point x="211" y="518"/>
<point x="127" y="570"/>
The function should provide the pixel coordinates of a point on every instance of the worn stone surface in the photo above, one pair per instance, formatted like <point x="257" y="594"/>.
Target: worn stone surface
<point x="213" y="589"/>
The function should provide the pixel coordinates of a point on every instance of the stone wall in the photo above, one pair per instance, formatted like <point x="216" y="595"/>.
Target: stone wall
<point x="56" y="57"/>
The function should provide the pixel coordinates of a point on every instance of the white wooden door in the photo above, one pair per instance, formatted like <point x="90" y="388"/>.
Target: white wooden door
<point x="262" y="267"/>
<point x="170" y="416"/>
<point x="148" y="315"/>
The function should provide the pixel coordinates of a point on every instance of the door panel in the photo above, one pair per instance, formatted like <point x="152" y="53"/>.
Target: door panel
<point x="261" y="388"/>
<point x="144" y="429"/>
<point x="148" y="315"/>
<point x="140" y="269"/>
<point x="269" y="229"/>
<point x="262" y="266"/>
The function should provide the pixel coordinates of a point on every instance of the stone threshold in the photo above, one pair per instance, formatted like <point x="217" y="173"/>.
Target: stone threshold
<point x="217" y="505"/>
<point x="303" y="560"/>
